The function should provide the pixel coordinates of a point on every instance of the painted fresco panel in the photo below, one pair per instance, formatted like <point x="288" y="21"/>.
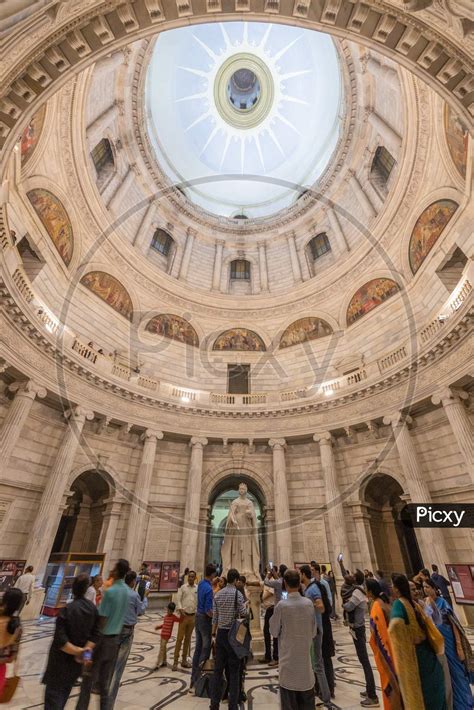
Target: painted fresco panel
<point x="110" y="290"/>
<point x="369" y="296"/>
<point x="239" y="339"/>
<point x="427" y="230"/>
<point x="55" y="220"/>
<point x="303" y="330"/>
<point x="173" y="327"/>
<point x="31" y="135"/>
<point x="457" y="137"/>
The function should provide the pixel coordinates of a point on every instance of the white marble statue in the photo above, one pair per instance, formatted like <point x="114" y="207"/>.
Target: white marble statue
<point x="240" y="546"/>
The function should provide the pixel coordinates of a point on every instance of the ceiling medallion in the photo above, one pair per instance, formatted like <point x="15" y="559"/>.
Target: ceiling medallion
<point x="243" y="91"/>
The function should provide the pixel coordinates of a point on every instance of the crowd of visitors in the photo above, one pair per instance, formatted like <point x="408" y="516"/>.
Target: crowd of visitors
<point x="421" y="652"/>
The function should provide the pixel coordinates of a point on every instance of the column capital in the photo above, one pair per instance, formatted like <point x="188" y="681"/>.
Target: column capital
<point x="150" y="434"/>
<point x="323" y="437"/>
<point x="28" y="388"/>
<point x="220" y="242"/>
<point x="191" y="232"/>
<point x="277" y="443"/>
<point x="449" y="395"/>
<point x="290" y="235"/>
<point x="78" y="413"/>
<point x="397" y="419"/>
<point x="262" y="244"/>
<point x="198" y="441"/>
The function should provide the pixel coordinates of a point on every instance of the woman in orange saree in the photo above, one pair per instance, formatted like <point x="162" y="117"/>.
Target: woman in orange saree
<point x="381" y="646"/>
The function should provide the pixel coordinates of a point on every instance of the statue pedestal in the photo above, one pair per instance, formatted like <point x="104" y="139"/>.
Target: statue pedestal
<point x="258" y="644"/>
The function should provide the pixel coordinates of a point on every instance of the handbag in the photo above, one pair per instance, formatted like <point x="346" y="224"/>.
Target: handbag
<point x="9" y="688"/>
<point x="239" y="634"/>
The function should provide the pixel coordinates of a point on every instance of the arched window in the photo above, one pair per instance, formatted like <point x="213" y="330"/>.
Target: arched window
<point x="103" y="159"/>
<point x="240" y="270"/>
<point x="162" y="242"/>
<point x="382" y="166"/>
<point x="319" y="245"/>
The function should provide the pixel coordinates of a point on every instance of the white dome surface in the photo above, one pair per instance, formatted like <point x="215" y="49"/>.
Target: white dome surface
<point x="255" y="161"/>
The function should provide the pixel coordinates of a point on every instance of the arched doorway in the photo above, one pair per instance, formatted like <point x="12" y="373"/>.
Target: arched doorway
<point x="81" y="522"/>
<point x="219" y="503"/>
<point x="395" y="543"/>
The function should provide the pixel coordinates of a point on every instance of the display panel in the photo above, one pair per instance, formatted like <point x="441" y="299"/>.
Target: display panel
<point x="461" y="578"/>
<point x="169" y="577"/>
<point x="10" y="570"/>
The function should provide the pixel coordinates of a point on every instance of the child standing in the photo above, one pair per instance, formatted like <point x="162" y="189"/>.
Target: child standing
<point x="166" y="630"/>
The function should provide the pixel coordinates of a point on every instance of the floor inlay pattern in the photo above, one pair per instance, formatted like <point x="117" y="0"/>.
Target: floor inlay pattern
<point x="143" y="688"/>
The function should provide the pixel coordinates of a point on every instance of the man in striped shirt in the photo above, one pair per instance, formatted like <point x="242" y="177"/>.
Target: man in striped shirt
<point x="229" y="604"/>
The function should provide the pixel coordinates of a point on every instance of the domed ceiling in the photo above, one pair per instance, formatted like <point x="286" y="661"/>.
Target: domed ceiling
<point x="243" y="117"/>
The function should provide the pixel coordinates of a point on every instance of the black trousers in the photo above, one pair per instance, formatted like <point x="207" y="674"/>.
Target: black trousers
<point x="55" y="698"/>
<point x="267" y="638"/>
<point x="361" y="650"/>
<point x="105" y="655"/>
<point x="297" y="699"/>
<point x="225" y="659"/>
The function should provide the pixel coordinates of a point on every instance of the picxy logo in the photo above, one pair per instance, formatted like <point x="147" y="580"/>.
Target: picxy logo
<point x="431" y="515"/>
<point x="439" y="516"/>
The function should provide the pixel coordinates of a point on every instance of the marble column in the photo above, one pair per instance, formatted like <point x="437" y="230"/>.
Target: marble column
<point x="431" y="540"/>
<point x="95" y="131"/>
<point x="295" y="263"/>
<point x="144" y="233"/>
<point x="391" y="139"/>
<point x="383" y="72"/>
<point x="284" y="547"/>
<point x="138" y="517"/>
<point x="361" y="196"/>
<point x="361" y="520"/>
<point x="262" y="265"/>
<point x="336" y="229"/>
<point x="217" y="273"/>
<point x="189" y="541"/>
<point x="117" y="198"/>
<point x="16" y="416"/>
<point x="334" y="508"/>
<point x="188" y="250"/>
<point x="41" y="537"/>
<point x="108" y="533"/>
<point x="458" y="417"/>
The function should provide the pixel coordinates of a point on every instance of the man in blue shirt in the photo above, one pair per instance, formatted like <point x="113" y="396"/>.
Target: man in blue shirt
<point x="311" y="591"/>
<point x="442" y="584"/>
<point x="136" y="607"/>
<point x="203" y="622"/>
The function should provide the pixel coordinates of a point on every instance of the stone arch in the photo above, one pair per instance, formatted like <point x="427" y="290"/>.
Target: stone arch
<point x="67" y="50"/>
<point x="107" y="472"/>
<point x="214" y="477"/>
<point x="381" y="471"/>
<point x="110" y="290"/>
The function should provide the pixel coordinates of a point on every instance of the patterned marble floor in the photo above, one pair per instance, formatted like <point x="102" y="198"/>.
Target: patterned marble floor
<point x="143" y="688"/>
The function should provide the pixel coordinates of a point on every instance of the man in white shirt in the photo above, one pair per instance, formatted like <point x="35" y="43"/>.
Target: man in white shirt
<point x="294" y="624"/>
<point x="186" y="605"/>
<point x="25" y="583"/>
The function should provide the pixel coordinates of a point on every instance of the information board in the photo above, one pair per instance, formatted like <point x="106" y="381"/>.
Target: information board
<point x="169" y="577"/>
<point x="10" y="570"/>
<point x="154" y="571"/>
<point x="461" y="578"/>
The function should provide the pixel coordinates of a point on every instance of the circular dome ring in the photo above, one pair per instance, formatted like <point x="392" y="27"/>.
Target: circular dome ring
<point x="251" y="117"/>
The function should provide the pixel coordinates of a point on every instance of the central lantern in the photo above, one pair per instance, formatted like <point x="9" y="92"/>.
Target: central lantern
<point x="235" y="113"/>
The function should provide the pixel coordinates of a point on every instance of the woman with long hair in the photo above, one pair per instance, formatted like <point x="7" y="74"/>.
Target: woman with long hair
<point x="456" y="646"/>
<point x="10" y="630"/>
<point x="381" y="645"/>
<point x="416" y="643"/>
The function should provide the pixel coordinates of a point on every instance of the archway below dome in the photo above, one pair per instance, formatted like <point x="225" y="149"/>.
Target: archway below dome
<point x="219" y="503"/>
<point x="395" y="544"/>
<point x="81" y="523"/>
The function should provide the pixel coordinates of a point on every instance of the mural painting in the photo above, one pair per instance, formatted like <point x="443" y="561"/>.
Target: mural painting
<point x="369" y="296"/>
<point x="31" y="135"/>
<point x="427" y="229"/>
<point x="55" y="220"/>
<point x="110" y="290"/>
<point x="173" y="327"/>
<point x="457" y="138"/>
<point x="303" y="330"/>
<point x="239" y="339"/>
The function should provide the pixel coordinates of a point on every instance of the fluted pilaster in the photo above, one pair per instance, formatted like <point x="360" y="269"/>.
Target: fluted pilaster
<point x="189" y="541"/>
<point x="17" y="414"/>
<point x="458" y="417"/>
<point x="137" y="521"/>
<point x="47" y="518"/>
<point x="283" y="531"/>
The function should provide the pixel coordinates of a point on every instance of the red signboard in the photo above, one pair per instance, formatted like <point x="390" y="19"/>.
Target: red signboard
<point x="154" y="570"/>
<point x="169" y="577"/>
<point x="461" y="578"/>
<point x="10" y="570"/>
